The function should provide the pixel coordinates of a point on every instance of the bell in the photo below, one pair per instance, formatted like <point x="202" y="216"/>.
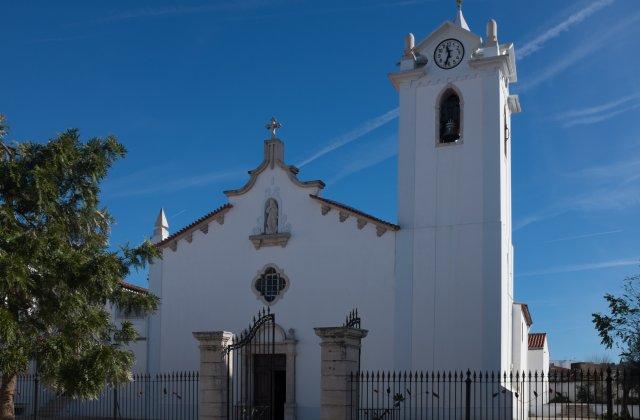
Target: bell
<point x="449" y="127"/>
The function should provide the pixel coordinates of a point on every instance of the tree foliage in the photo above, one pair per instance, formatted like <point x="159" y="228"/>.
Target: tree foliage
<point x="58" y="273"/>
<point x="621" y="326"/>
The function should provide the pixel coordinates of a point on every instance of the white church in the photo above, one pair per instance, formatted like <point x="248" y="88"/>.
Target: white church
<point x="434" y="287"/>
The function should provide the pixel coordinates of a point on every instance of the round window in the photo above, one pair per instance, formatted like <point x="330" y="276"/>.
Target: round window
<point x="270" y="284"/>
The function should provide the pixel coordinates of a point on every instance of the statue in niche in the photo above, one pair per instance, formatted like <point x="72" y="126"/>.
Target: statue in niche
<point x="271" y="217"/>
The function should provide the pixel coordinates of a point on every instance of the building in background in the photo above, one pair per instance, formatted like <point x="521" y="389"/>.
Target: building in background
<point x="139" y="347"/>
<point x="539" y="361"/>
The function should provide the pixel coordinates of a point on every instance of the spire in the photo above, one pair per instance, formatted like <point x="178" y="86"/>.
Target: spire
<point x="459" y="19"/>
<point x="491" y="45"/>
<point x="160" y="228"/>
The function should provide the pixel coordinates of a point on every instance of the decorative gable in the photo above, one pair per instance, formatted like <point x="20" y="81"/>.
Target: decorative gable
<point x="446" y="30"/>
<point x="274" y="157"/>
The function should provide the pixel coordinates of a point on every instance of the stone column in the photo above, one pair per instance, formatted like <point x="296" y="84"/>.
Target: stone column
<point x="212" y="387"/>
<point x="290" y="351"/>
<point x="340" y="353"/>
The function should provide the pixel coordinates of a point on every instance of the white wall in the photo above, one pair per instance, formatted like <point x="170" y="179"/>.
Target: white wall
<point x="332" y="267"/>
<point x="139" y="346"/>
<point x="454" y="252"/>
<point x="539" y="362"/>
<point x="520" y="341"/>
<point x="539" y="359"/>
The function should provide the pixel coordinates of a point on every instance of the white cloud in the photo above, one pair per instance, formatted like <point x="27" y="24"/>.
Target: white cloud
<point x="614" y="186"/>
<point x="351" y="136"/>
<point x="624" y="170"/>
<point x="572" y="268"/>
<point x="602" y="199"/>
<point x="582" y="50"/>
<point x="153" y="12"/>
<point x="618" y="196"/>
<point x="596" y="118"/>
<point x="544" y="214"/>
<point x="598" y="109"/>
<point x="584" y="236"/>
<point x="382" y="151"/>
<point x="243" y="6"/>
<point x="609" y="198"/>
<point x="598" y="113"/>
<point x="553" y="32"/>
<point x="177" y="184"/>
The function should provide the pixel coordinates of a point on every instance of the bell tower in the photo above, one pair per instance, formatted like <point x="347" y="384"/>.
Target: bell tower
<point x="454" y="254"/>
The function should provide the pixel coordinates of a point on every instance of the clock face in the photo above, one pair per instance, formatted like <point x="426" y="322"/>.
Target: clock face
<point x="448" y="53"/>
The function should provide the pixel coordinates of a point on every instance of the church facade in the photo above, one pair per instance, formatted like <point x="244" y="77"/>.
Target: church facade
<point x="434" y="288"/>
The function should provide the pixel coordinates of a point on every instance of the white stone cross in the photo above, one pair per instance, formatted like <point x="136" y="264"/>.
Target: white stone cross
<point x="273" y="126"/>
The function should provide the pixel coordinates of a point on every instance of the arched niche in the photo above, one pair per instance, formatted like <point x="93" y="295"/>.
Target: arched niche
<point x="449" y="116"/>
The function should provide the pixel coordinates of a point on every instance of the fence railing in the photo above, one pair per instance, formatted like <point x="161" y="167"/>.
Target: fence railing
<point x="474" y="395"/>
<point x="162" y="396"/>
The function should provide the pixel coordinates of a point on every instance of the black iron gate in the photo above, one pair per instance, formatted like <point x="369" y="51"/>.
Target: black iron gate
<point x="251" y="363"/>
<point x="353" y="320"/>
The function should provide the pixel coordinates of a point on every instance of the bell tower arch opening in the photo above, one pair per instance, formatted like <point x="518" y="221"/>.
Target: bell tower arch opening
<point x="449" y="115"/>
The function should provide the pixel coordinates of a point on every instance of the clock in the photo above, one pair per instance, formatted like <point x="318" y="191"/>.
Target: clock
<point x="448" y="53"/>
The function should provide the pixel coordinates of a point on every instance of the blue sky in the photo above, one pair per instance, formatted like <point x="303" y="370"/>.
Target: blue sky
<point x="188" y="87"/>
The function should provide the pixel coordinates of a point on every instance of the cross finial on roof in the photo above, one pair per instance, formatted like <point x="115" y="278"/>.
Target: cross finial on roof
<point x="459" y="20"/>
<point x="273" y="126"/>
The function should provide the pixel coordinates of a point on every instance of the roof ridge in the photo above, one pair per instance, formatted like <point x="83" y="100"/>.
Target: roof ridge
<point x="194" y="224"/>
<point x="374" y="219"/>
<point x="536" y="340"/>
<point x="133" y="287"/>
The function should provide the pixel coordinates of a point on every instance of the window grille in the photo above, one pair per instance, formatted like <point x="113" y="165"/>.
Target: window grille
<point x="270" y="284"/>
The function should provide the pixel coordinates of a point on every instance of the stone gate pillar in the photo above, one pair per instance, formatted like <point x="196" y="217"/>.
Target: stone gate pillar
<point x="340" y="355"/>
<point x="212" y="387"/>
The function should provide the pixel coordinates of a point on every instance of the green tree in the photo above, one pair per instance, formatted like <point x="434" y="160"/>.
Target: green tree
<point x="57" y="272"/>
<point x="621" y="328"/>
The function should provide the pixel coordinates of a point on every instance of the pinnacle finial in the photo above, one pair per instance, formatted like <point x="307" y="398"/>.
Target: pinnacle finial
<point x="273" y="126"/>
<point x="161" y="220"/>
<point x="459" y="4"/>
<point x="160" y="227"/>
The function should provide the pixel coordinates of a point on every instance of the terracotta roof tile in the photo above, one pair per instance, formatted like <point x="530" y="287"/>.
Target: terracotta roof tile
<point x="371" y="218"/>
<point x="536" y="341"/>
<point x="211" y="215"/>
<point x="134" y="288"/>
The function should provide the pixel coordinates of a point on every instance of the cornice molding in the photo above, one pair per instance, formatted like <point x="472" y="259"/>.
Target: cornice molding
<point x="344" y="212"/>
<point x="514" y="104"/>
<point x="275" y="239"/>
<point x="503" y="62"/>
<point x="201" y="224"/>
<point x="398" y="77"/>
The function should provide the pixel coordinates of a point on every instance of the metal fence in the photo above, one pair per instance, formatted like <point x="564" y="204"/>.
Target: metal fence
<point x="472" y="395"/>
<point x="163" y="396"/>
